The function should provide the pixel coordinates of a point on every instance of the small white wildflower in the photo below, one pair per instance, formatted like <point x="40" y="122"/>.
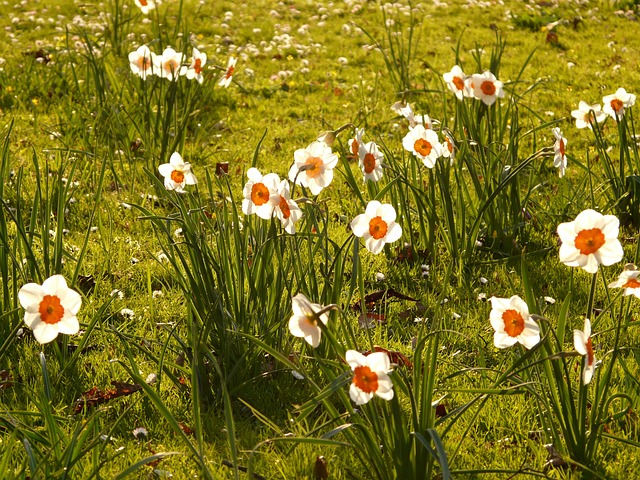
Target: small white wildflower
<point x="483" y="281"/>
<point x="117" y="293"/>
<point x="178" y="233"/>
<point x="157" y="293"/>
<point x="134" y="260"/>
<point x="380" y="277"/>
<point x="482" y="297"/>
<point x="297" y="375"/>
<point x="127" y="313"/>
<point x="140" y="433"/>
<point x="151" y="379"/>
<point x="550" y="300"/>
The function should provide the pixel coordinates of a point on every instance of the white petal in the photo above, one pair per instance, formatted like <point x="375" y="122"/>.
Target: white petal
<point x="30" y="294"/>
<point x="375" y="246"/>
<point x="378" y="362"/>
<point x="360" y="225"/>
<point x="72" y="302"/>
<point x="358" y="396"/>
<point x="502" y="340"/>
<point x="176" y="160"/>
<point x="45" y="333"/>
<point x="355" y="359"/>
<point x="394" y="233"/>
<point x="55" y="285"/>
<point x="68" y="325"/>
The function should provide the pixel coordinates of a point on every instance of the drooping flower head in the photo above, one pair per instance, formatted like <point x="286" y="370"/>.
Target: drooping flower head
<point x="377" y="226"/>
<point x="169" y="64"/>
<point x="50" y="308"/>
<point x="583" y="113"/>
<point x="486" y="87"/>
<point x="590" y="240"/>
<point x="449" y="147"/>
<point x="287" y="210"/>
<point x="424" y="144"/>
<point x="615" y="103"/>
<point x="583" y="345"/>
<point x="145" y="6"/>
<point x="225" y="81"/>
<point x="304" y="322"/>
<point x="355" y="142"/>
<point x="370" y="161"/>
<point x="629" y="280"/>
<point x="194" y="70"/>
<point x="370" y="376"/>
<point x="406" y="111"/>
<point x="455" y="80"/>
<point x="313" y="167"/>
<point x="512" y="323"/>
<point x="141" y="62"/>
<point x="260" y="194"/>
<point x="177" y="174"/>
<point x="559" y="158"/>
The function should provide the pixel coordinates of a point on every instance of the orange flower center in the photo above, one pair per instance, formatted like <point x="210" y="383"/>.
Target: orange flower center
<point x="177" y="176"/>
<point x="143" y="3"/>
<point x="449" y="145"/>
<point x="259" y="194"/>
<point x="365" y="379"/>
<point x="171" y="65"/>
<point x="513" y="322"/>
<point x="632" y="283"/>
<point x="617" y="105"/>
<point x="284" y="207"/>
<point x="377" y="228"/>
<point x="589" y="241"/>
<point x="458" y="82"/>
<point x="369" y="163"/>
<point x="230" y="71"/>
<point x="315" y="167"/>
<point x="590" y="356"/>
<point x="51" y="312"/>
<point x="562" y="147"/>
<point x="143" y="62"/>
<point x="488" y="88"/>
<point x="422" y="147"/>
<point x="197" y="66"/>
<point x="354" y="147"/>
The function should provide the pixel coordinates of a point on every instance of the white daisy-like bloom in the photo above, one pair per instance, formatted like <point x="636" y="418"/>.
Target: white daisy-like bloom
<point x="559" y="158"/>
<point x="225" y="81"/>
<point x="145" y="6"/>
<point x="377" y="226"/>
<point x="260" y="194"/>
<point x="304" y="322"/>
<point x="590" y="240"/>
<point x="424" y="144"/>
<point x="354" y="143"/>
<point x="628" y="280"/>
<point x="287" y="211"/>
<point x="486" y="87"/>
<point x="455" y="80"/>
<point x="194" y="71"/>
<point x="50" y="308"/>
<point x="370" y="161"/>
<point x="512" y="323"/>
<point x="141" y="62"/>
<point x="615" y="103"/>
<point x="583" y="113"/>
<point x="449" y="147"/>
<point x="370" y="376"/>
<point x="583" y="345"/>
<point x="169" y="64"/>
<point x="177" y="173"/>
<point x="313" y="167"/>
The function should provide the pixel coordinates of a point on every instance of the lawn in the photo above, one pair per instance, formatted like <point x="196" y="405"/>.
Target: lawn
<point x="308" y="240"/>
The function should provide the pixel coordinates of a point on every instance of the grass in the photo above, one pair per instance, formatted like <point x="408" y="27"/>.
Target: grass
<point x="210" y="288"/>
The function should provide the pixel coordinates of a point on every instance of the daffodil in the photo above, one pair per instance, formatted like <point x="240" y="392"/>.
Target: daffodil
<point x="512" y="323"/>
<point x="377" y="226"/>
<point x="304" y="322"/>
<point x="177" y="173"/>
<point x="313" y="167"/>
<point x="590" y="240"/>
<point x="583" y="345"/>
<point x="50" y="308"/>
<point x="260" y="194"/>
<point x="370" y="376"/>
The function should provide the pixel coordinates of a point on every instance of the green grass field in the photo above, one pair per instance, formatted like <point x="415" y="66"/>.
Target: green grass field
<point x="188" y="351"/>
